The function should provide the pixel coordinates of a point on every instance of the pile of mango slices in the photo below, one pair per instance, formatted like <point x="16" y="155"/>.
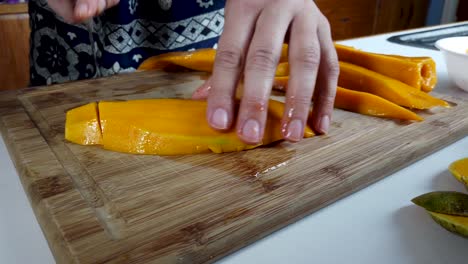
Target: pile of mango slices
<point x="449" y="209"/>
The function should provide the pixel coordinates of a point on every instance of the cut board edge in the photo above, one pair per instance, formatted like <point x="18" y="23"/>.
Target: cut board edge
<point x="50" y="230"/>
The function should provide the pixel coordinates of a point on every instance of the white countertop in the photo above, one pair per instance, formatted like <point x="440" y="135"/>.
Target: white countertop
<point x="378" y="224"/>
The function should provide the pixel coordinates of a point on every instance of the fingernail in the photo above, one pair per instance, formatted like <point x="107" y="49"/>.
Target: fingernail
<point x="295" y="130"/>
<point x="324" y="124"/>
<point x="219" y="119"/>
<point x="82" y="10"/>
<point x="251" y="130"/>
<point x="102" y="5"/>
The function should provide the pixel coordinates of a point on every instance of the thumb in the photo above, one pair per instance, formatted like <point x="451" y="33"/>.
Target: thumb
<point x="202" y="92"/>
<point x="85" y="9"/>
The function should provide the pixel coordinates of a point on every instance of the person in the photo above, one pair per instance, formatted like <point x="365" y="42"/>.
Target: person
<point x="79" y="39"/>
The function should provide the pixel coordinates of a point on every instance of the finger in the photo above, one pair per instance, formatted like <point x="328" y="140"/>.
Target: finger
<point x="111" y="3"/>
<point x="228" y="63"/>
<point x="304" y="61"/>
<point x="85" y="9"/>
<point x="100" y="7"/>
<point x="64" y="9"/>
<point x="202" y="91"/>
<point x="262" y="59"/>
<point x="327" y="80"/>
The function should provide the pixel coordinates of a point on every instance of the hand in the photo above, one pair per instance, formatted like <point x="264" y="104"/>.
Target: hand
<point x="250" y="47"/>
<point x="76" y="11"/>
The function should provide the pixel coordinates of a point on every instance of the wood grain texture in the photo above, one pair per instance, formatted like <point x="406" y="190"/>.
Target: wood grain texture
<point x="97" y="206"/>
<point x="7" y="9"/>
<point x="357" y="18"/>
<point x="394" y="15"/>
<point x="462" y="11"/>
<point x="349" y="19"/>
<point x="14" y="51"/>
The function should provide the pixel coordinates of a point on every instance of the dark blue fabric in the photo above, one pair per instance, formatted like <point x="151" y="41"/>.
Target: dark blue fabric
<point x="124" y="36"/>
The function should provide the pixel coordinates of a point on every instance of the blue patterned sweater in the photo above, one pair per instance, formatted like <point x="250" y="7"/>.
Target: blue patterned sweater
<point x="122" y="37"/>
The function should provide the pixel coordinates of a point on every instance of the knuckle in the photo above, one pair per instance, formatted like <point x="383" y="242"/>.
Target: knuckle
<point x="309" y="58"/>
<point x="332" y="67"/>
<point x="111" y="3"/>
<point x="262" y="59"/>
<point x="216" y="95"/>
<point x="219" y="99"/>
<point x="255" y="103"/>
<point x="326" y="100"/>
<point x="229" y="58"/>
<point x="324" y="23"/>
<point x="299" y="101"/>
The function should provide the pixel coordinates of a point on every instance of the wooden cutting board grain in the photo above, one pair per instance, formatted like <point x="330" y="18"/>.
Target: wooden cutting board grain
<point x="97" y="206"/>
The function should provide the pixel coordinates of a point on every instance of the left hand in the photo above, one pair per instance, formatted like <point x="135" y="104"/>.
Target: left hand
<point x="250" y="47"/>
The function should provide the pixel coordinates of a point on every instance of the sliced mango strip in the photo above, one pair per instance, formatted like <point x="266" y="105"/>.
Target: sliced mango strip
<point x="197" y="60"/>
<point x="169" y="127"/>
<point x="418" y="72"/>
<point x="82" y="125"/>
<point x="363" y="103"/>
<point x="373" y="105"/>
<point x="361" y="79"/>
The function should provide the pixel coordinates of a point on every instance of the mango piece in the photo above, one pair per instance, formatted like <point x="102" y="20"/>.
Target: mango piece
<point x="82" y="125"/>
<point x="459" y="170"/>
<point x="418" y="72"/>
<point x="282" y="69"/>
<point x="453" y="223"/>
<point x="169" y="127"/>
<point x="361" y="79"/>
<point x="197" y="60"/>
<point x="360" y="102"/>
<point x="452" y="203"/>
<point x="373" y="105"/>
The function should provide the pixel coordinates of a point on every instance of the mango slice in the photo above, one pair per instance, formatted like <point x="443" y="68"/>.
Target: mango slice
<point x="459" y="169"/>
<point x="453" y="223"/>
<point x="452" y="203"/>
<point x="197" y="60"/>
<point x="82" y="125"/>
<point x="363" y="103"/>
<point x="361" y="79"/>
<point x="418" y="72"/>
<point x="282" y="69"/>
<point x="166" y="127"/>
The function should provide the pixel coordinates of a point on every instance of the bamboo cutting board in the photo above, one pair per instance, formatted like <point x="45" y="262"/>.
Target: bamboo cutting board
<point x="97" y="206"/>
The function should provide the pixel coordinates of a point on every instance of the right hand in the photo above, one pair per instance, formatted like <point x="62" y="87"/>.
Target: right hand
<point x="77" y="11"/>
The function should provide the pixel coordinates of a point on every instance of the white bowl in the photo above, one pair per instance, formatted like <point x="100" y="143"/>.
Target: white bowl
<point x="455" y="51"/>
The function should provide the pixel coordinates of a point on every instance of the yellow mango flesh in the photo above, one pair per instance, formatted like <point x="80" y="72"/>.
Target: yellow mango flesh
<point x="82" y="125"/>
<point x="173" y="127"/>
<point x="361" y="79"/>
<point x="453" y="223"/>
<point x="361" y="102"/>
<point x="373" y="105"/>
<point x="418" y="72"/>
<point x="459" y="169"/>
<point x="197" y="60"/>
